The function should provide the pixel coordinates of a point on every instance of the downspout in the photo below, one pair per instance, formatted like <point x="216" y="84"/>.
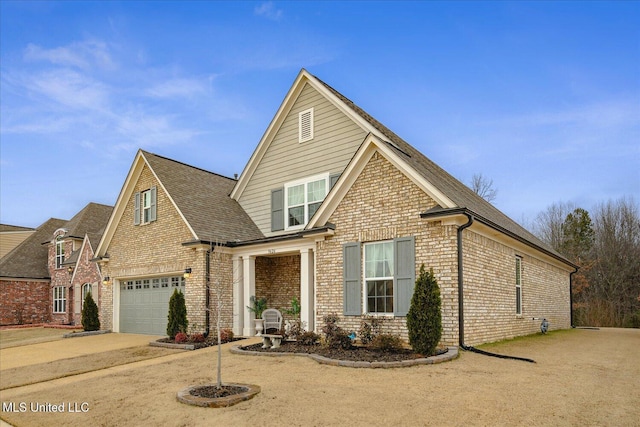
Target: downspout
<point x="571" y="297"/>
<point x="461" y="282"/>
<point x="207" y="281"/>
<point x="461" y="300"/>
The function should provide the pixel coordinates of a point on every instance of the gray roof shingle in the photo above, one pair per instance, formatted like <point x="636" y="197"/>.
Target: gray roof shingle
<point x="203" y="198"/>
<point x="29" y="259"/>
<point x="459" y="193"/>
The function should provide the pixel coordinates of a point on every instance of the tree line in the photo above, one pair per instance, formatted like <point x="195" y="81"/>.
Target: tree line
<point x="605" y="245"/>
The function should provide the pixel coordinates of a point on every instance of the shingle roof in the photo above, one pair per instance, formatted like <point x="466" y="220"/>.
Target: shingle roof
<point x="4" y="228"/>
<point x="29" y="258"/>
<point x="203" y="198"/>
<point x="91" y="220"/>
<point x="459" y="193"/>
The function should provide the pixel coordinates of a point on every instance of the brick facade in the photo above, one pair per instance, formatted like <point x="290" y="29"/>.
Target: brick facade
<point x="384" y="204"/>
<point x="155" y="249"/>
<point x="24" y="302"/>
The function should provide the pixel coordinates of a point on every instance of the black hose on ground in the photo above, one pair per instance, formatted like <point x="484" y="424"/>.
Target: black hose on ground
<point x="500" y="356"/>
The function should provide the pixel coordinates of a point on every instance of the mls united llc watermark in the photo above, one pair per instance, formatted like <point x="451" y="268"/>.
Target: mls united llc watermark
<point x="69" y="407"/>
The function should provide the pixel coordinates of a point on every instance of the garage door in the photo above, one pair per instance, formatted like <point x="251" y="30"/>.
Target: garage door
<point x="144" y="304"/>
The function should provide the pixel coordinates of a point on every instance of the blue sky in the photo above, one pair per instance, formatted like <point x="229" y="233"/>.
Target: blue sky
<point x="541" y="97"/>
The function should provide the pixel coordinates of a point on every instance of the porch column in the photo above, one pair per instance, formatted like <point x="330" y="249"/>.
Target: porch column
<point x="306" y="288"/>
<point x="249" y="290"/>
<point x="238" y="296"/>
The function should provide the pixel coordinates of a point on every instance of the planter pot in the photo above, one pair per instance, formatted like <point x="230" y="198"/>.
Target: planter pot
<point x="259" y="327"/>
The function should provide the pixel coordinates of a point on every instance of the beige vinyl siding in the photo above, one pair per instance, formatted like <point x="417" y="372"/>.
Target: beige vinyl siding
<point x="336" y="139"/>
<point x="11" y="239"/>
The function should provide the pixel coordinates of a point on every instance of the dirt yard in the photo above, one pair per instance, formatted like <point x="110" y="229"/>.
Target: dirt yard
<point x="582" y="377"/>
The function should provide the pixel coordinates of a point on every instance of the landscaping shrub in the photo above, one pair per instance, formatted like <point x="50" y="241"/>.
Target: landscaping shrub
<point x="90" y="317"/>
<point x="226" y="335"/>
<point x="424" y="320"/>
<point x="386" y="342"/>
<point x="370" y="327"/>
<point x="296" y="329"/>
<point x="195" y="338"/>
<point x="308" y="338"/>
<point x="334" y="335"/>
<point x="177" y="318"/>
<point x="181" y="338"/>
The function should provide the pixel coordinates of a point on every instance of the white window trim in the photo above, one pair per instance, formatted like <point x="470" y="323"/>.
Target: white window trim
<point x="59" y="255"/>
<point x="305" y="137"/>
<point x="365" y="293"/>
<point x="85" y="289"/>
<point x="59" y="300"/>
<point x="518" y="281"/>
<point x="304" y="181"/>
<point x="144" y="208"/>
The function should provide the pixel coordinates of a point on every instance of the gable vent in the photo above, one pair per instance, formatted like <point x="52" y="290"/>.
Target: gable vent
<point x="305" y="125"/>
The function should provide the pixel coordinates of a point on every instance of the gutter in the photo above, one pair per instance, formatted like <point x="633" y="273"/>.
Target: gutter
<point x="470" y="218"/>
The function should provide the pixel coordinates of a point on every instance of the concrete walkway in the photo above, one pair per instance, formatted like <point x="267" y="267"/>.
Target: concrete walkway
<point x="15" y="357"/>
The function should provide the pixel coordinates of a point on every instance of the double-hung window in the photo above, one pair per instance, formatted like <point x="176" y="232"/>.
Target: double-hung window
<point x="59" y="251"/>
<point x="518" y="286"/>
<point x="378" y="276"/>
<point x="59" y="299"/>
<point x="303" y="198"/>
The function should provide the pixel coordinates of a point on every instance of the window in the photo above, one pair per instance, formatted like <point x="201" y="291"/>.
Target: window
<point x="378" y="277"/>
<point x="303" y="198"/>
<point x="518" y="286"/>
<point x="86" y="290"/>
<point x="59" y="252"/>
<point x="380" y="280"/>
<point x="305" y="125"/>
<point x="145" y="210"/>
<point x="59" y="299"/>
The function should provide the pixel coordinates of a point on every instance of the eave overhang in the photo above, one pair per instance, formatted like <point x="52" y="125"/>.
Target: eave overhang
<point x="439" y="213"/>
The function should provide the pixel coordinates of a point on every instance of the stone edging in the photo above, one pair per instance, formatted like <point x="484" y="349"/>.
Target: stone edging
<point x="172" y="345"/>
<point x="450" y="354"/>
<point x="85" y="333"/>
<point x="184" y="396"/>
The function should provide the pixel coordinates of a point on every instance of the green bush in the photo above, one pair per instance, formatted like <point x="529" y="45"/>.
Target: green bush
<point x="424" y="320"/>
<point x="90" y="317"/>
<point x="177" y="318"/>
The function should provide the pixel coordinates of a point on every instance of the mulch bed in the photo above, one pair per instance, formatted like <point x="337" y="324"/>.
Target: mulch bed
<point x="356" y="354"/>
<point x="212" y="391"/>
<point x="211" y="340"/>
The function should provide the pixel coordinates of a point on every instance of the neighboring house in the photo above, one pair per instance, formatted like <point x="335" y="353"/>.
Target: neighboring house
<point x="338" y="211"/>
<point x="25" y="296"/>
<point x="11" y="236"/>
<point x="72" y="272"/>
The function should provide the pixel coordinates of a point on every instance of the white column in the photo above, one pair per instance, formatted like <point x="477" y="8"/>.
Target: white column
<point x="306" y="288"/>
<point x="238" y="296"/>
<point x="249" y="290"/>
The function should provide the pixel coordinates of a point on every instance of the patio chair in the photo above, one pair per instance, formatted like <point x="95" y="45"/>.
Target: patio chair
<point x="271" y="336"/>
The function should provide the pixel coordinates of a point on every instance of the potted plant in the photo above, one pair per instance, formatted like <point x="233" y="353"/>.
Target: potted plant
<point x="258" y="305"/>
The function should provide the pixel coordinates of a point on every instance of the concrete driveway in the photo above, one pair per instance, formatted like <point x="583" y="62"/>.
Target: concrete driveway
<point x="66" y="348"/>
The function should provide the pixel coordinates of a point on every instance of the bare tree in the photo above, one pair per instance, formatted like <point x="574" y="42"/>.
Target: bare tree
<point x="217" y="281"/>
<point x="483" y="187"/>
<point x="548" y="225"/>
